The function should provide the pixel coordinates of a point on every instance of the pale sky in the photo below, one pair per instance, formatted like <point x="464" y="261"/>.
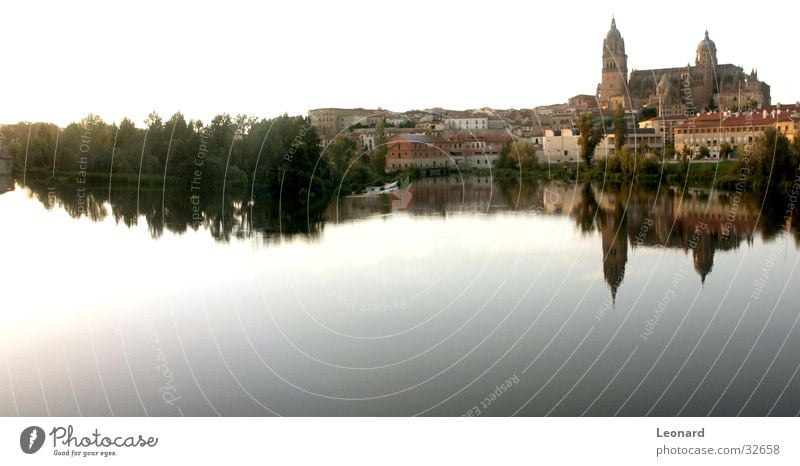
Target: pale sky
<point x="62" y="60"/>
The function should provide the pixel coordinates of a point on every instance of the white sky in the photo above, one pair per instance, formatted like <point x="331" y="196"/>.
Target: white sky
<point x="62" y="60"/>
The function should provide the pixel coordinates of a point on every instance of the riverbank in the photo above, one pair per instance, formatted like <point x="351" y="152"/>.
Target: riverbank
<point x="707" y="174"/>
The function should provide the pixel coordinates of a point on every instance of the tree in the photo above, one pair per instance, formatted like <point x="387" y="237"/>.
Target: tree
<point x="505" y="160"/>
<point x="795" y="150"/>
<point x="296" y="174"/>
<point x="627" y="161"/>
<point x="704" y="153"/>
<point x="712" y="105"/>
<point x="649" y="112"/>
<point x="340" y="153"/>
<point x="517" y="155"/>
<point x="591" y="135"/>
<point x="669" y="151"/>
<point x="772" y="159"/>
<point x="725" y="151"/>
<point x="378" y="156"/>
<point x="620" y="128"/>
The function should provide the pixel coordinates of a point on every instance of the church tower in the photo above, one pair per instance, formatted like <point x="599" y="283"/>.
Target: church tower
<point x="706" y="52"/>
<point x="706" y="65"/>
<point x="612" y="88"/>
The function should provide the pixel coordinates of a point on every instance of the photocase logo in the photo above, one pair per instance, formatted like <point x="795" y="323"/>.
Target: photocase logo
<point x="31" y="439"/>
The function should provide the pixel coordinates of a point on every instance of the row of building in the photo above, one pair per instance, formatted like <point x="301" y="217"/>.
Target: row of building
<point x="434" y="154"/>
<point x="683" y="134"/>
<point x="476" y="141"/>
<point x="685" y="99"/>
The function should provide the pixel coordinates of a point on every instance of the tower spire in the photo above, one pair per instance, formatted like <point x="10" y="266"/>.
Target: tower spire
<point x="613" y="21"/>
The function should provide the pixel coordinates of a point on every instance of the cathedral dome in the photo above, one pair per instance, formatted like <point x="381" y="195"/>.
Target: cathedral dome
<point x="613" y="33"/>
<point x="613" y="44"/>
<point x="705" y="48"/>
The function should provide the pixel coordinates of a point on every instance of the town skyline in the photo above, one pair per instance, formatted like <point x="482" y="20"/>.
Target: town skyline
<point x="504" y="61"/>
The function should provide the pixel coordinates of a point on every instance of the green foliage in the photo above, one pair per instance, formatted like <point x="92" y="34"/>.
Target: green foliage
<point x="591" y="136"/>
<point x="282" y="154"/>
<point x="627" y="161"/>
<point x="773" y="160"/>
<point x="795" y="151"/>
<point x="517" y="156"/>
<point x="620" y="124"/>
<point x="669" y="151"/>
<point x="648" y="112"/>
<point x="725" y="151"/>
<point x="339" y="154"/>
<point x="703" y="153"/>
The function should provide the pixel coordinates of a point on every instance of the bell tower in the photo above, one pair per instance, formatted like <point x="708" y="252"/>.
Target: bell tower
<point x="614" y="81"/>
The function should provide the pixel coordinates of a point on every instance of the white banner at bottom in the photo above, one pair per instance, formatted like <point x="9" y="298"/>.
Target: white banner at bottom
<point x="399" y="441"/>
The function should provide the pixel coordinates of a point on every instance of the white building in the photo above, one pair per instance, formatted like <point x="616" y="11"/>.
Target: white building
<point x="560" y="146"/>
<point x="466" y="124"/>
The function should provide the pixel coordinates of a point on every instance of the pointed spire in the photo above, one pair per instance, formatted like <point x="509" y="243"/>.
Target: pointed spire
<point x="706" y="34"/>
<point x="613" y="22"/>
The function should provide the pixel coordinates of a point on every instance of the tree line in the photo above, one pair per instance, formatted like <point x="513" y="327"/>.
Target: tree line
<point x="273" y="157"/>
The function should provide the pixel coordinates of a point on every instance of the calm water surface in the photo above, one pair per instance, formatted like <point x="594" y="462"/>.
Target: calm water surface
<point x="454" y="296"/>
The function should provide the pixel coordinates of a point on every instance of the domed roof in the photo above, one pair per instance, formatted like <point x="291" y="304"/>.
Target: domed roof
<point x="613" y="33"/>
<point x="706" y="51"/>
<point x="706" y="44"/>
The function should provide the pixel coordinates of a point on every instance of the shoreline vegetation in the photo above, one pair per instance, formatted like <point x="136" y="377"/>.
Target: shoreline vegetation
<point x="281" y="158"/>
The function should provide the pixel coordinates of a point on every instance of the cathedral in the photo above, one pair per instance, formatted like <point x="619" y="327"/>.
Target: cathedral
<point x="706" y="85"/>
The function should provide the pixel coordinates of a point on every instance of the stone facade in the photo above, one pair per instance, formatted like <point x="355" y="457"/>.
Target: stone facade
<point x="614" y="79"/>
<point x="681" y="90"/>
<point x="737" y="129"/>
<point x="331" y="121"/>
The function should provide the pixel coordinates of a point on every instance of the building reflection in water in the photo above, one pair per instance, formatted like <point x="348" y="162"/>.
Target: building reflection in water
<point x="698" y="222"/>
<point x="623" y="217"/>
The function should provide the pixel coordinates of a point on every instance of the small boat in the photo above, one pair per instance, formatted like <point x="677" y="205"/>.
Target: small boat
<point x="387" y="188"/>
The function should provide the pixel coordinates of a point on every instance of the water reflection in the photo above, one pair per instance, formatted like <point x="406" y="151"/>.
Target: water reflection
<point x="696" y="221"/>
<point x="6" y="184"/>
<point x="173" y="210"/>
<point x="416" y="303"/>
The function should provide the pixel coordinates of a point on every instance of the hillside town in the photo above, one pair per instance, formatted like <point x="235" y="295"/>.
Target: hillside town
<point x="703" y="111"/>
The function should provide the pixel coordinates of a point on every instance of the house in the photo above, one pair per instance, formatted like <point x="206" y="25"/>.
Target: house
<point x="564" y="145"/>
<point x="737" y="129"/>
<point x="417" y="151"/>
<point x="466" y="122"/>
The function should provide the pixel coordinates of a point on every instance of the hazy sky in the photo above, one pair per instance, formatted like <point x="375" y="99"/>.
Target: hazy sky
<point x="62" y="60"/>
